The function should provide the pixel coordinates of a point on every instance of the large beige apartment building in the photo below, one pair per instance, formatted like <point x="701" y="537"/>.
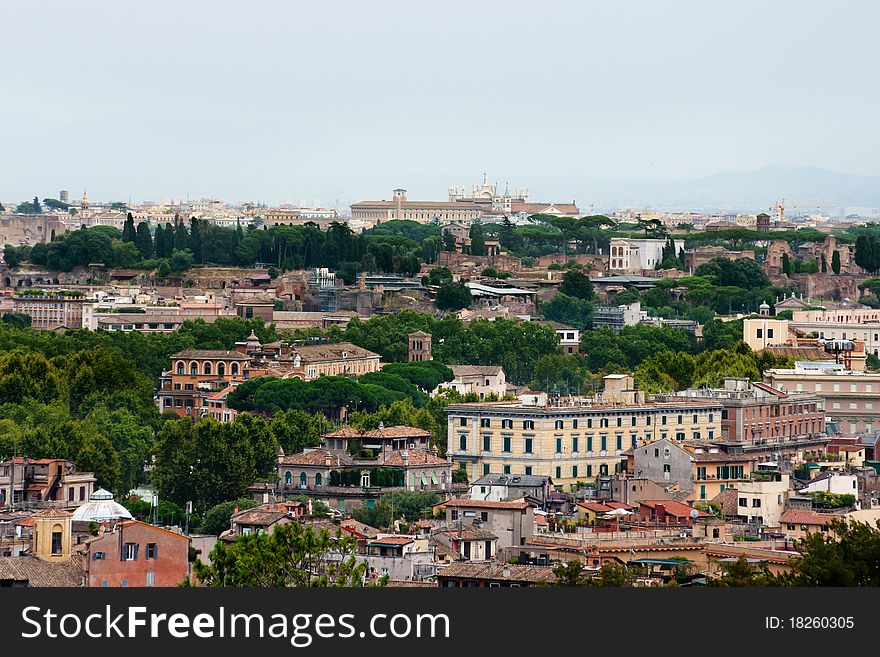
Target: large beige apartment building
<point x="571" y="440"/>
<point x="50" y="309"/>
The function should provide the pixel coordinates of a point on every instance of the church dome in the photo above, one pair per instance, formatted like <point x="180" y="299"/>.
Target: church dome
<point x="101" y="507"/>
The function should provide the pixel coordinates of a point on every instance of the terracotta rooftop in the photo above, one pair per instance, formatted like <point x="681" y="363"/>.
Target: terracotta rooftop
<point x="392" y="540"/>
<point x="807" y="517"/>
<point x="673" y="508"/>
<point x="39" y="573"/>
<point x="316" y="457"/>
<point x="52" y="513"/>
<point x="331" y="352"/>
<point x="495" y="572"/>
<point x="210" y="354"/>
<point x="356" y="528"/>
<point x="400" y="431"/>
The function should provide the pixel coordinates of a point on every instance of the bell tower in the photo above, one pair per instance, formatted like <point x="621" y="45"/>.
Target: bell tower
<point x="419" y="347"/>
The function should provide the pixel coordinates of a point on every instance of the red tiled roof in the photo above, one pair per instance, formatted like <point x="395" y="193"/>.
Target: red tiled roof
<point x="386" y="432"/>
<point x="673" y="508"/>
<point x="495" y="572"/>
<point x="392" y="540"/>
<point x="316" y="457"/>
<point x="359" y="529"/>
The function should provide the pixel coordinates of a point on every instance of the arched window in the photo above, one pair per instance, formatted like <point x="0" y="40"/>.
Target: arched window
<point x="221" y="369"/>
<point x="181" y="368"/>
<point x="206" y="368"/>
<point x="288" y="478"/>
<point x="234" y="369"/>
<point x="303" y="479"/>
<point x="193" y="368"/>
<point x="318" y="479"/>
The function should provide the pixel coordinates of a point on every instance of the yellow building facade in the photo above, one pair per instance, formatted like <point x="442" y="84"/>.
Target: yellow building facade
<point x="571" y="443"/>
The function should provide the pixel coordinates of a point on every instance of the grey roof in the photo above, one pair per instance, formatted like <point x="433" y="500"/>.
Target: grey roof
<point x="529" y="481"/>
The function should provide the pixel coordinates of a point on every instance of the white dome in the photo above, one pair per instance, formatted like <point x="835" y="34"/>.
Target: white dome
<point x="101" y="507"/>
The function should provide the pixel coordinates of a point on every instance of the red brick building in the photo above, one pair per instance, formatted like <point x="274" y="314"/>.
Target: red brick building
<point x="136" y="554"/>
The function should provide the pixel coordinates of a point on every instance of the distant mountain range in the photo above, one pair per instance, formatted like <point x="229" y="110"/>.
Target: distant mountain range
<point x="742" y="191"/>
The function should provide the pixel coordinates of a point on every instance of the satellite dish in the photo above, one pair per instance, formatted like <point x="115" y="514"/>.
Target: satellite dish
<point x="694" y="513"/>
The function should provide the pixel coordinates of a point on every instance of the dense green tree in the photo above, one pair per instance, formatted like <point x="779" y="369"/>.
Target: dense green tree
<point x="427" y="375"/>
<point x="847" y="555"/>
<point x="478" y="239"/>
<point x="453" y="296"/>
<point x="207" y="462"/>
<point x="18" y="320"/>
<point x="295" y="430"/>
<point x="665" y="371"/>
<point x="711" y="367"/>
<point x="13" y="256"/>
<point x="718" y="334"/>
<point x="824" y="264"/>
<point x="744" y="273"/>
<point x="438" y="276"/>
<point x="786" y="264"/>
<point x="568" y="310"/>
<point x="835" y="262"/>
<point x="29" y="375"/>
<point x="294" y="555"/>
<point x="867" y="253"/>
<point x="577" y="284"/>
<point x="131" y="440"/>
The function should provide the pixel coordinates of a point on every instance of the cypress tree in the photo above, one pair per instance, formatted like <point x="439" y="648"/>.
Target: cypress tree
<point x="195" y="239"/>
<point x="180" y="237"/>
<point x="144" y="241"/>
<point x="159" y="241"/>
<point x="835" y="262"/>
<point x="128" y="231"/>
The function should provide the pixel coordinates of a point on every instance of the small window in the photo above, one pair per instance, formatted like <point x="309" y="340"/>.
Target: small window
<point x="152" y="551"/>
<point x="130" y="552"/>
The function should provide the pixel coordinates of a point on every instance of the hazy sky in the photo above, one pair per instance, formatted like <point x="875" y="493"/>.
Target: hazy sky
<point x="280" y="101"/>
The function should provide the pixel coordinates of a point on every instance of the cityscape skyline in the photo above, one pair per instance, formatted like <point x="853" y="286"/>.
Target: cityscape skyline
<point x="346" y="103"/>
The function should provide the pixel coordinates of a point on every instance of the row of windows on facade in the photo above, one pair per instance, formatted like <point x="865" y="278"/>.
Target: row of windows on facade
<point x="132" y="327"/>
<point x="528" y="443"/>
<point x="778" y="410"/>
<point x="303" y="480"/>
<point x="575" y="470"/>
<point x="527" y="425"/>
<point x="206" y="368"/>
<point x="149" y="580"/>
